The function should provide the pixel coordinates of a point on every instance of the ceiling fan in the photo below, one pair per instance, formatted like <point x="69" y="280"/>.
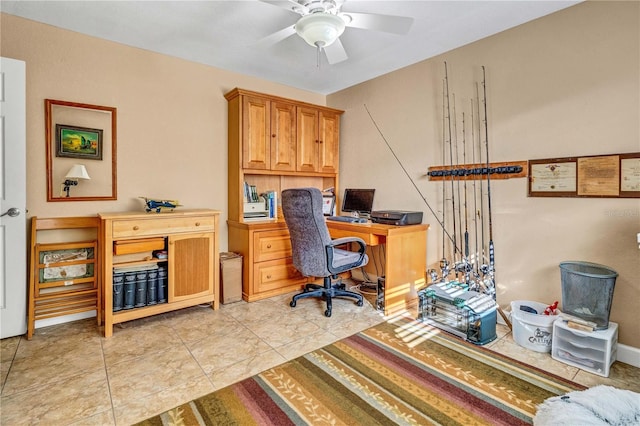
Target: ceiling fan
<point x="322" y="23"/>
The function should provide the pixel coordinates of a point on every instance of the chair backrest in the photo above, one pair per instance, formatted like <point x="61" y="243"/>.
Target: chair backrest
<point x="302" y="210"/>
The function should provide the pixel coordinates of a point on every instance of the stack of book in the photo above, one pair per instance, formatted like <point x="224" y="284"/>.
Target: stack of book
<point x="250" y="193"/>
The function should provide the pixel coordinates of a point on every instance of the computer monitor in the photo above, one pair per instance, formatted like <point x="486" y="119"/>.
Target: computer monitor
<point x="358" y="201"/>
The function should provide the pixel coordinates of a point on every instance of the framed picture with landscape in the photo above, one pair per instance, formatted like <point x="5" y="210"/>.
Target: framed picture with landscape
<point x="78" y="142"/>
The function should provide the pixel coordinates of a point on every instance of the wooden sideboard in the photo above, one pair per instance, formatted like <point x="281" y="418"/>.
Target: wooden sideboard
<point x="190" y="239"/>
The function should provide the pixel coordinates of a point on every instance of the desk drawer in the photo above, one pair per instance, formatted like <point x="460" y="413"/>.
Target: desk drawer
<point x="137" y="246"/>
<point x="136" y="228"/>
<point x="274" y="275"/>
<point x="369" y="238"/>
<point x="271" y="245"/>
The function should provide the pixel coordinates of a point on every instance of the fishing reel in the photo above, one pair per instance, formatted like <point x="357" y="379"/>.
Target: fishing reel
<point x="463" y="267"/>
<point x="444" y="268"/>
<point x="488" y="286"/>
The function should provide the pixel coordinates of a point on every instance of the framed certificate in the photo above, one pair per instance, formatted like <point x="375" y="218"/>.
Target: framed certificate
<point x="552" y="178"/>
<point x="612" y="176"/>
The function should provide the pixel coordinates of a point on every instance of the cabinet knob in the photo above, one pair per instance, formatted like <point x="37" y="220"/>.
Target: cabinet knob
<point x="135" y="228"/>
<point x="320" y="141"/>
<point x="273" y="135"/>
<point x="197" y="223"/>
<point x="268" y="246"/>
<point x="268" y="277"/>
<point x="317" y="141"/>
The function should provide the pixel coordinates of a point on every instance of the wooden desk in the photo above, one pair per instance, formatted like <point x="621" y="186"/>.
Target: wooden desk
<point x="405" y="258"/>
<point x="267" y="269"/>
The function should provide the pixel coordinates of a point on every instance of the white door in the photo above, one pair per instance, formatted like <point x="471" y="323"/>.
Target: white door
<point x="13" y="199"/>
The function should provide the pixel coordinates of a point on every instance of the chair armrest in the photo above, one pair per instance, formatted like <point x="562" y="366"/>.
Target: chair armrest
<point x="345" y="240"/>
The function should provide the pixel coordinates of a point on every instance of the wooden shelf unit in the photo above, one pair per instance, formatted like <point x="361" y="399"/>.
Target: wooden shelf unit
<point x="191" y="239"/>
<point x="275" y="144"/>
<point x="62" y="294"/>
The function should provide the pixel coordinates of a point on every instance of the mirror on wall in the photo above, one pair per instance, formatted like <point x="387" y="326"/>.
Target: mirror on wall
<point x="81" y="151"/>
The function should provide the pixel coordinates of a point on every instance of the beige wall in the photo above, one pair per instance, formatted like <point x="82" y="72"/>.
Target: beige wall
<point x="565" y="85"/>
<point x="172" y="116"/>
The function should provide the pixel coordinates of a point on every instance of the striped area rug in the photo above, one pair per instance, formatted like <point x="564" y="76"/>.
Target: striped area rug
<point x="401" y="372"/>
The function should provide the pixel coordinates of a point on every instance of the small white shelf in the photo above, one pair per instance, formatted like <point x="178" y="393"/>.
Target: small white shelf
<point x="590" y="351"/>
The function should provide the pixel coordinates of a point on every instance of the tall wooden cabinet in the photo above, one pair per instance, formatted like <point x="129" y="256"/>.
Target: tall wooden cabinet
<point x="275" y="144"/>
<point x="131" y="241"/>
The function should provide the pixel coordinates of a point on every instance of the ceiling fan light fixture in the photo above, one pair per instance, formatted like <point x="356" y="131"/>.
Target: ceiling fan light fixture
<point x="320" y="29"/>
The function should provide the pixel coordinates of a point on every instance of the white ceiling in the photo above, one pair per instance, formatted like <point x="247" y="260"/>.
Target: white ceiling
<point x="225" y="34"/>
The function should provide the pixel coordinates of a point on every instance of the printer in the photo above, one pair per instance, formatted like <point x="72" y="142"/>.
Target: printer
<point x="256" y="209"/>
<point x="396" y="217"/>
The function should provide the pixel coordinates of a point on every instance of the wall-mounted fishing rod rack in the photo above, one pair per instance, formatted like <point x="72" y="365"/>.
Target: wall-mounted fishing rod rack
<point x="505" y="170"/>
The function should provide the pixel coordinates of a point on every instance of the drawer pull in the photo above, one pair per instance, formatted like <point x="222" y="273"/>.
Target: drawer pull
<point x="197" y="223"/>
<point x="268" y="277"/>
<point x="135" y="228"/>
<point x="268" y="246"/>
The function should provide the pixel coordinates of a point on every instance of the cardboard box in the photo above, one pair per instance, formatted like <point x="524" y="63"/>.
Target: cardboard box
<point x="230" y="277"/>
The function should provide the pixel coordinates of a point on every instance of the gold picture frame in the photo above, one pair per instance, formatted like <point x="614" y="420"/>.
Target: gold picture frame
<point x="103" y="174"/>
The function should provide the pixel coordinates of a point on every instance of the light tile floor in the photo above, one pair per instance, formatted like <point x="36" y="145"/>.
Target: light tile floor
<point x="69" y="374"/>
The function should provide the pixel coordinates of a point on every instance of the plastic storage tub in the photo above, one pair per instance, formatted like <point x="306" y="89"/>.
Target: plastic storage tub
<point x="532" y="331"/>
<point x="587" y="291"/>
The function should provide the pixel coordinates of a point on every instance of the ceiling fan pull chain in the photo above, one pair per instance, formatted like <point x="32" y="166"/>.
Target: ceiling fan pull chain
<point x="318" y="56"/>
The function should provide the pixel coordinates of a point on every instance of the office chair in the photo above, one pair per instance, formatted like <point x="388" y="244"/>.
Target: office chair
<point x="315" y="254"/>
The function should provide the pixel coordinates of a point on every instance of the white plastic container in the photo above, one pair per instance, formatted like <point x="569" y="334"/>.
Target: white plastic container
<point x="532" y="331"/>
<point x="592" y="351"/>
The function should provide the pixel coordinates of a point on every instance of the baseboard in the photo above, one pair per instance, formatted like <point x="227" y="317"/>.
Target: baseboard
<point x="64" y="318"/>
<point x="628" y="355"/>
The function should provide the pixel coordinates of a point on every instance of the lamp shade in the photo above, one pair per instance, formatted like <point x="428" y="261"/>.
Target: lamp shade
<point x="78" y="171"/>
<point x="320" y="29"/>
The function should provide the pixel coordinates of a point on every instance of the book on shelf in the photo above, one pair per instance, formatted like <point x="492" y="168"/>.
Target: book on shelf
<point x="272" y="203"/>
<point x="250" y="194"/>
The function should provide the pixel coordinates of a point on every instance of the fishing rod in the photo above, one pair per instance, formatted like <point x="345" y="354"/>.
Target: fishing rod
<point x="444" y="263"/>
<point x="444" y="196"/>
<point x="475" y="194"/>
<point x="481" y="211"/>
<point x="465" y="261"/>
<point x="453" y="198"/>
<point x="457" y="168"/>
<point x="492" y="271"/>
<point x="486" y="141"/>
<point x="407" y="173"/>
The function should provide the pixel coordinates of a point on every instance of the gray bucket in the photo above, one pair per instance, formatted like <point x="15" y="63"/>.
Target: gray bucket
<point x="587" y="291"/>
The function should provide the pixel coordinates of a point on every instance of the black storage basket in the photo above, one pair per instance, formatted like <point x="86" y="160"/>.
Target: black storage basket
<point x="587" y="291"/>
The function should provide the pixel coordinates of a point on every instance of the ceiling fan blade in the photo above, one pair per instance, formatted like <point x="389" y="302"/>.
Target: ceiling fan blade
<point x="290" y="5"/>
<point x="385" y="23"/>
<point x="277" y="37"/>
<point x="335" y="52"/>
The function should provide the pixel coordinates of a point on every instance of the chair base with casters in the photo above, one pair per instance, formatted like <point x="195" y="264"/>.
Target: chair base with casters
<point x="327" y="291"/>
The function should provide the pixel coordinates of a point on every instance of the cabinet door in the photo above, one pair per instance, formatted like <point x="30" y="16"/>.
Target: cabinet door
<point x="255" y="133"/>
<point x="307" y="146"/>
<point x="329" y="124"/>
<point x="190" y="265"/>
<point x="283" y="136"/>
